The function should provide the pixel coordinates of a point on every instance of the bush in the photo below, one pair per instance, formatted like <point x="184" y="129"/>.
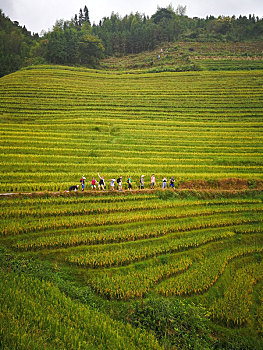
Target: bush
<point x="175" y="323"/>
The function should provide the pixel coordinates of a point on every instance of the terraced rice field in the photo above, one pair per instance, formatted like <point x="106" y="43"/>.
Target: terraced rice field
<point x="60" y="123"/>
<point x="72" y="259"/>
<point x="140" y="245"/>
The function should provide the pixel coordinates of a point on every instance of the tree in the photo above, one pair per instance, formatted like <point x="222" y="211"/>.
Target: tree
<point x="181" y="10"/>
<point x="75" y="21"/>
<point x="81" y="17"/>
<point x="161" y="14"/>
<point x="86" y="15"/>
<point x="56" y="47"/>
<point x="90" y="49"/>
<point x="15" y="43"/>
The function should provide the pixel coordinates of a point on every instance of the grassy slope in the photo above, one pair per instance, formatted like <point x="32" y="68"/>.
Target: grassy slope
<point x="193" y="56"/>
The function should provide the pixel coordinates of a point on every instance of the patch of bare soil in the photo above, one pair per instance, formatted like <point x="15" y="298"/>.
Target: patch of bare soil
<point x="231" y="184"/>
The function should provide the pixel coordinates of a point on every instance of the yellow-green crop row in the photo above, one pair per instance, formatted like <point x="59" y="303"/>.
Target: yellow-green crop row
<point x="38" y="203"/>
<point x="27" y="225"/>
<point x="203" y="274"/>
<point x="123" y="255"/>
<point x="137" y="283"/>
<point x="150" y="230"/>
<point x="119" y="204"/>
<point x="234" y="306"/>
<point x="35" y="314"/>
<point x="200" y="270"/>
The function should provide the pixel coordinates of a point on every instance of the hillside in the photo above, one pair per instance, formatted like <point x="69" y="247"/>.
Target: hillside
<point x="179" y="268"/>
<point x="134" y="271"/>
<point x="76" y="42"/>
<point x="192" y="56"/>
<point x="59" y="123"/>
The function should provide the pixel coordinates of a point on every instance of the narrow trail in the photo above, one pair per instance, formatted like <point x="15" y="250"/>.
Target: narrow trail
<point x="230" y="185"/>
<point x="126" y="192"/>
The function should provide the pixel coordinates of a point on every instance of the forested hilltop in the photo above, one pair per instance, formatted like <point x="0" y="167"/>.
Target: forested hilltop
<point x="77" y="42"/>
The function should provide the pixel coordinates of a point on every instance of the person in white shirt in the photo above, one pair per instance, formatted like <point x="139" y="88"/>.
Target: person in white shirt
<point x="164" y="182"/>
<point x="112" y="181"/>
<point x="142" y="182"/>
<point x="152" y="181"/>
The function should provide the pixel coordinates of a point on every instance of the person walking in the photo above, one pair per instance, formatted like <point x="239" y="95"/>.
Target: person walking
<point x="93" y="183"/>
<point x="142" y="182"/>
<point x="119" y="182"/>
<point x="164" y="182"/>
<point x="101" y="182"/>
<point x="112" y="182"/>
<point x="172" y="181"/>
<point x="152" y="181"/>
<point x="82" y="180"/>
<point x="129" y="183"/>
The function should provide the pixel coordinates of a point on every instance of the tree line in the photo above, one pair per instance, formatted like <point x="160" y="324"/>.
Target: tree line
<point x="78" y="42"/>
<point x="135" y="33"/>
<point x="15" y="44"/>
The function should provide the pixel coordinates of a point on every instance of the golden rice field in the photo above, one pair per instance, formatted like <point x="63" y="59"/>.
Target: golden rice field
<point x="140" y="269"/>
<point x="60" y="123"/>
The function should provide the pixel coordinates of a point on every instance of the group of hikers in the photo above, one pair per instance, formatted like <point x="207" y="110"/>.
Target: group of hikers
<point x="101" y="183"/>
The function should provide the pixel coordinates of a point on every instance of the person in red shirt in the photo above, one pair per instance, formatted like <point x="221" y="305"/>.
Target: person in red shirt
<point x="93" y="183"/>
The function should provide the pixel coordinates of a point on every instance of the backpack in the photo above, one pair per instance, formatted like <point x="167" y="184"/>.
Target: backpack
<point x="118" y="180"/>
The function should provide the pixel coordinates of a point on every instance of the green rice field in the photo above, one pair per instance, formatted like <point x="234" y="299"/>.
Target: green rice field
<point x="58" y="123"/>
<point x="142" y="269"/>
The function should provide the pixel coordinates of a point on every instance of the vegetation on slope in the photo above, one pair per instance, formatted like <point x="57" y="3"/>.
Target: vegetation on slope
<point x="76" y="42"/>
<point x="191" y="56"/>
<point x="153" y="283"/>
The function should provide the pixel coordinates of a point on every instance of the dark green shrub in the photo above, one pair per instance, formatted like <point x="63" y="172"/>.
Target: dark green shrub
<point x="176" y="324"/>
